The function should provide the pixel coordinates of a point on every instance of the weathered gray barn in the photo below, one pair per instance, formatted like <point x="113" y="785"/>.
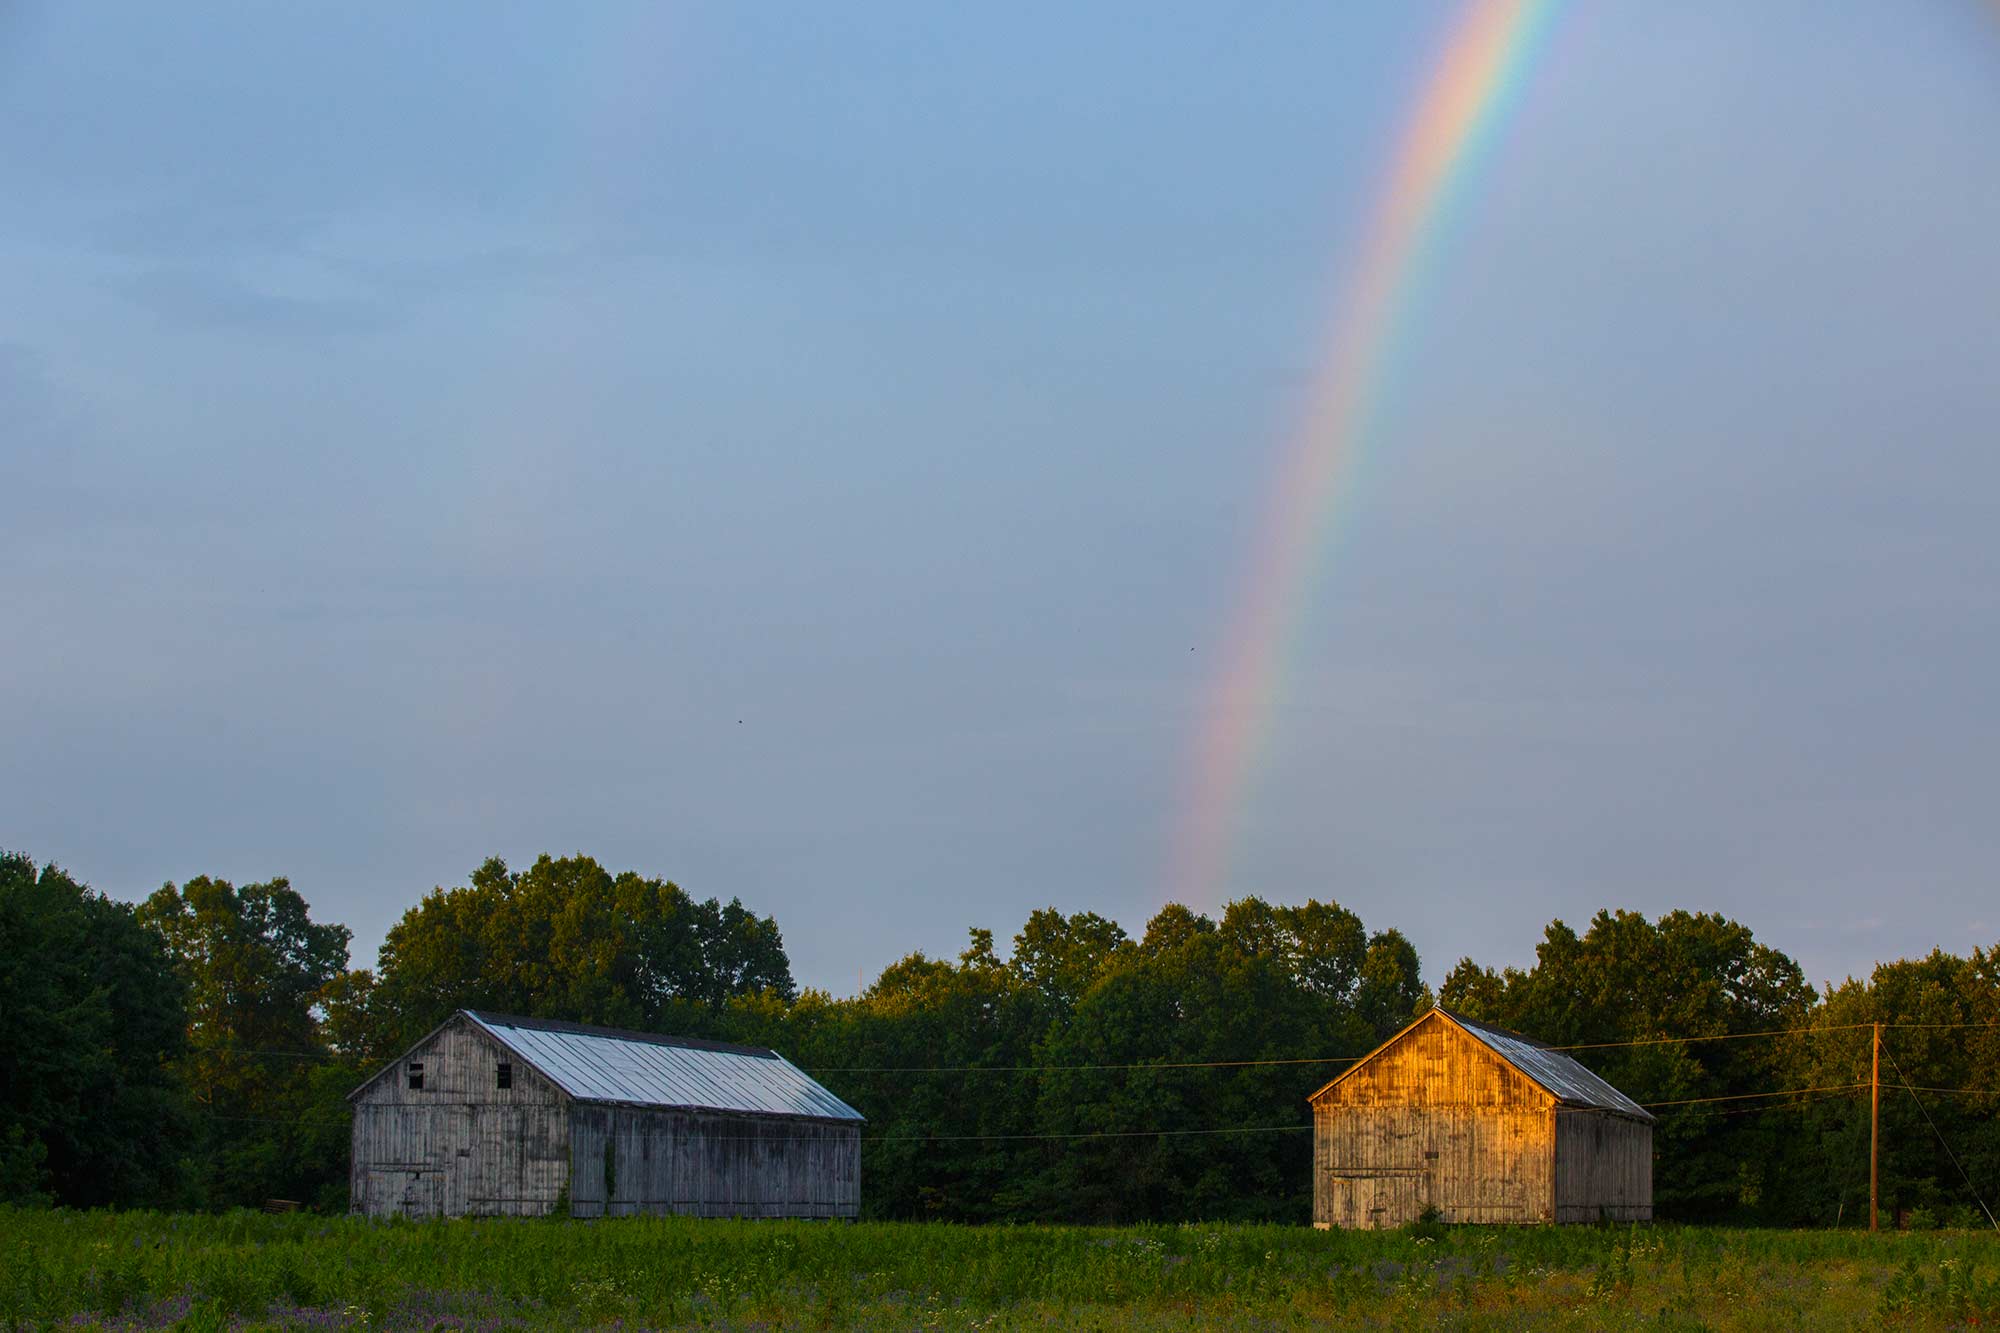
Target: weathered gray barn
<point x="1481" y="1123"/>
<point x="497" y="1114"/>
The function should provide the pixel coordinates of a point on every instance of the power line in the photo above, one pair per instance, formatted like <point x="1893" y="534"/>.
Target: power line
<point x="1235" y="1064"/>
<point x="1748" y="1096"/>
<point x="1825" y="1090"/>
<point x="892" y="1069"/>
<point x="1070" y="1069"/>
<point x="1913" y="1026"/>
<point x="1085" y="1134"/>
<point x="223" y="1051"/>
<point x="209" y="1051"/>
<point x="1788" y="1106"/>
<point x="889" y="1138"/>
<point x="1799" y="1092"/>
<point x="1940" y="1138"/>
<point x="1720" y="1036"/>
<point x="1241" y="1064"/>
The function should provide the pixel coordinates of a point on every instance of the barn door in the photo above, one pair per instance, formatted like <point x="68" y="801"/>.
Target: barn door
<point x="408" y="1193"/>
<point x="1372" y="1201"/>
<point x="1399" y="1200"/>
<point x="1433" y="1190"/>
<point x="1371" y="1169"/>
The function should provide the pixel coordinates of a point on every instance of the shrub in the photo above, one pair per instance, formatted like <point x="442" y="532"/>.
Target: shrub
<point x="1429" y="1224"/>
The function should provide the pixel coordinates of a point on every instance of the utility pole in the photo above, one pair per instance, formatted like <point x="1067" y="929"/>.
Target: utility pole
<point x="1875" y="1129"/>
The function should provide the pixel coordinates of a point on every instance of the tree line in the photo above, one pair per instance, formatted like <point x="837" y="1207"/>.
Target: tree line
<point x="195" y="1050"/>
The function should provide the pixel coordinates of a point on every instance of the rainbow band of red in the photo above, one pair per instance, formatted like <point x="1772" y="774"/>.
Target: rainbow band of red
<point x="1462" y="104"/>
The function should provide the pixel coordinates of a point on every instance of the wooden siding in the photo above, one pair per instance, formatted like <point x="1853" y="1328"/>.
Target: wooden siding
<point x="1604" y="1168"/>
<point x="461" y="1144"/>
<point x="1436" y="1118"/>
<point x="712" y="1165"/>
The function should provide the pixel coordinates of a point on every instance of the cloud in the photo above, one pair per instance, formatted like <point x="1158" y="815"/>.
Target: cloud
<point x="193" y="230"/>
<point x="215" y="299"/>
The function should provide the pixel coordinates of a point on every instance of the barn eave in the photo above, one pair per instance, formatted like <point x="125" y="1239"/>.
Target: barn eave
<point x="1569" y="1085"/>
<point x="798" y="1095"/>
<point x="390" y="1067"/>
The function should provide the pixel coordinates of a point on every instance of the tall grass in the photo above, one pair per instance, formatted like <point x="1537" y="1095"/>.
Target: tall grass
<point x="247" y="1270"/>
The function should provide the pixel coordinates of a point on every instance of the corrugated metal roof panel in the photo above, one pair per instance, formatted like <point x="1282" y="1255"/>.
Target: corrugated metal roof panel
<point x="640" y="1069"/>
<point x="1571" y="1083"/>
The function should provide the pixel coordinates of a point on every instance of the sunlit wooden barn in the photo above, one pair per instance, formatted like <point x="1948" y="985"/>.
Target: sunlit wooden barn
<point x="1484" y="1125"/>
<point x="497" y="1114"/>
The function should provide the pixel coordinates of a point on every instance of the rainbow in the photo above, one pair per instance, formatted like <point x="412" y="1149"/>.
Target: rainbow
<point x="1475" y="80"/>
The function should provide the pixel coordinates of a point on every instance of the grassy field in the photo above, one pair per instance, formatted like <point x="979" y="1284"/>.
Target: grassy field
<point x="138" y="1270"/>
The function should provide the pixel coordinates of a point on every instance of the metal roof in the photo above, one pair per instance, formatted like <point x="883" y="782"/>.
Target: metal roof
<point x="1569" y="1081"/>
<point x="642" y="1069"/>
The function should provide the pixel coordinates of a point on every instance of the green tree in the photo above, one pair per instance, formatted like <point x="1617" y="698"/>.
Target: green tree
<point x="1329" y="948"/>
<point x="352" y="1022"/>
<point x="1475" y="991"/>
<point x="256" y="966"/>
<point x="943" y="1022"/>
<point x="1941" y="1030"/>
<point x="91" y="1023"/>
<point x="1058" y="957"/>
<point x="568" y="939"/>
<point x="1631" y="980"/>
<point x="1233" y="1024"/>
<point x="1391" y="989"/>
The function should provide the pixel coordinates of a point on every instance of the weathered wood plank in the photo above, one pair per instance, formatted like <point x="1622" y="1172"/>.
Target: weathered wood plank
<point x="1604" y="1168"/>
<point x="1439" y="1119"/>
<point x="462" y="1144"/>
<point x="716" y="1165"/>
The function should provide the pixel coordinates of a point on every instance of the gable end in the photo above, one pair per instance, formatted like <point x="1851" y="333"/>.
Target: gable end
<point x="485" y="1036"/>
<point x="1424" y="1041"/>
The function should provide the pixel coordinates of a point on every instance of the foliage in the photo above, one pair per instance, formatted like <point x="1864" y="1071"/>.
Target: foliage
<point x="200" y="1049"/>
<point x="976" y="1072"/>
<point x="91" y="1019"/>
<point x="1942" y="1030"/>
<point x="568" y="939"/>
<point x="1630" y="980"/>
<point x="1429" y="1225"/>
<point x="1198" y="998"/>
<point x="255" y="965"/>
<point x="299" y="1271"/>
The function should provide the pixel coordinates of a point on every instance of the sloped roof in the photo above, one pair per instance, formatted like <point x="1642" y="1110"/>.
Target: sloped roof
<point x="1560" y="1076"/>
<point x="617" y="1067"/>
<point x="1564" y="1077"/>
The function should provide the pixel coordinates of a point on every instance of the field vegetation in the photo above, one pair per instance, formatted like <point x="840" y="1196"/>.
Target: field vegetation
<point x="244" y="1270"/>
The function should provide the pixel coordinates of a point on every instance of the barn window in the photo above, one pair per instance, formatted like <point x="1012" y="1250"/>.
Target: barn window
<point x="416" y="1076"/>
<point x="504" y="1075"/>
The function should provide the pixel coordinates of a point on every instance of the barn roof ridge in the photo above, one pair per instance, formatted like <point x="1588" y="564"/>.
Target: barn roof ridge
<point x="1566" y="1078"/>
<point x="617" y="1067"/>
<point x="614" y="1067"/>
<point x="1563" y="1077"/>
<point x="1467" y="1021"/>
<point x="492" y="1018"/>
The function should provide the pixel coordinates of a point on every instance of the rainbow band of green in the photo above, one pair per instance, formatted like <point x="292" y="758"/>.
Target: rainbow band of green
<point x="1477" y="78"/>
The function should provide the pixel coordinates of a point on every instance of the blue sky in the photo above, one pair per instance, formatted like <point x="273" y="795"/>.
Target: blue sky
<point x="813" y="453"/>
